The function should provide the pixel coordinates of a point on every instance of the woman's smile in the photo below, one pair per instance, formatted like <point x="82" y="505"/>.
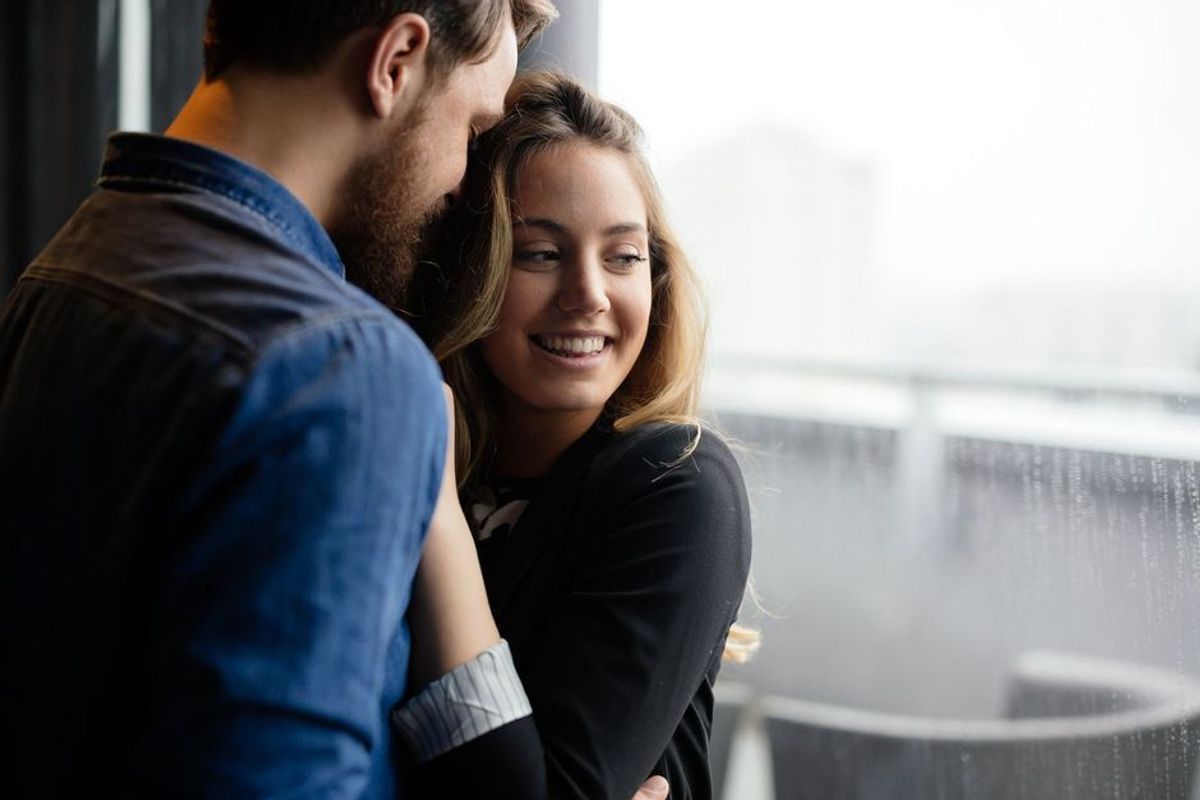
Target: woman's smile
<point x="575" y="351"/>
<point x="570" y="344"/>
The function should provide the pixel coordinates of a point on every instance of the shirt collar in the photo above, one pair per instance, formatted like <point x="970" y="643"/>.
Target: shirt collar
<point x="142" y="159"/>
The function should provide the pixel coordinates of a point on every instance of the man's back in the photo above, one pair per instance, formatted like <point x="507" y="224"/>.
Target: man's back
<point x="217" y="461"/>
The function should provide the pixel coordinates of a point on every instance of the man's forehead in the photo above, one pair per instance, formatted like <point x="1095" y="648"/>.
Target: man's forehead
<point x="495" y="76"/>
<point x="498" y="66"/>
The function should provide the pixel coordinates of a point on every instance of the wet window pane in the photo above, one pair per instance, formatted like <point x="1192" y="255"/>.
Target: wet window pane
<point x="953" y="262"/>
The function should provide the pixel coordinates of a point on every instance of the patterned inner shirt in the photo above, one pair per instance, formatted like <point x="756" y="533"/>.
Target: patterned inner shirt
<point x="495" y="507"/>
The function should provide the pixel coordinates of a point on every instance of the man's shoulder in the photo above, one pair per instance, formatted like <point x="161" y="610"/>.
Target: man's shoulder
<point x="184" y="279"/>
<point x="201" y="265"/>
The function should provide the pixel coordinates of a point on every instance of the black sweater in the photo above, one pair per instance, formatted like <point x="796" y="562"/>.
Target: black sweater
<point x="615" y="589"/>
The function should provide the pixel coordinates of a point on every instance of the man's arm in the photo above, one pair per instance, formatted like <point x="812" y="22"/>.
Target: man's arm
<point x="286" y="572"/>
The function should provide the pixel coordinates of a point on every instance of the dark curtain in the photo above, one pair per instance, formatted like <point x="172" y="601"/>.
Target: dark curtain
<point x="11" y="54"/>
<point x="177" y="56"/>
<point x="59" y="78"/>
<point x="60" y="101"/>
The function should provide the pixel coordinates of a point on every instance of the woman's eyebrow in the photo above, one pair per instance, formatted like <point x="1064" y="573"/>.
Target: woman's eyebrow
<point x="624" y="227"/>
<point x="545" y="224"/>
<point x="557" y="227"/>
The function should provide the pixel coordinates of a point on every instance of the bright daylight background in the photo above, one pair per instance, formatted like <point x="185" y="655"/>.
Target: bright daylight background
<point x="953" y="255"/>
<point x="909" y="180"/>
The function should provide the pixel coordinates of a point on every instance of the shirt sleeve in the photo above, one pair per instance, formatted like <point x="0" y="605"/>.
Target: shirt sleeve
<point x="646" y="614"/>
<point x="286" y="571"/>
<point x="470" y="701"/>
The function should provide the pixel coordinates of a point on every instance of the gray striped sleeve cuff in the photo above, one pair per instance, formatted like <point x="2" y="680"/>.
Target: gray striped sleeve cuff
<point x="465" y="703"/>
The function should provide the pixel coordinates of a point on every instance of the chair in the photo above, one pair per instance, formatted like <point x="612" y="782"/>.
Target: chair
<point x="1134" y="735"/>
<point x="1044" y="683"/>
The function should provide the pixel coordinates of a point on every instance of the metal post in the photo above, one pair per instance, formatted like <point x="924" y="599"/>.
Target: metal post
<point x="921" y="471"/>
<point x="133" y="94"/>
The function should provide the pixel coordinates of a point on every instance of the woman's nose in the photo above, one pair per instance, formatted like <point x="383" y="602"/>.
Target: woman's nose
<point x="583" y="289"/>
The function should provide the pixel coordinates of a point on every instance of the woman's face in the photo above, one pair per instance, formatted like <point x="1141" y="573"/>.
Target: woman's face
<point x="577" y="307"/>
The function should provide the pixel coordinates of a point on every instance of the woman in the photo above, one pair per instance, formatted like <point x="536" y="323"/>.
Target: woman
<point x="612" y="530"/>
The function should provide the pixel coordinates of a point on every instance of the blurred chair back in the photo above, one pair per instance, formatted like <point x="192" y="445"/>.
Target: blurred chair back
<point x="1045" y="683"/>
<point x="1142" y="742"/>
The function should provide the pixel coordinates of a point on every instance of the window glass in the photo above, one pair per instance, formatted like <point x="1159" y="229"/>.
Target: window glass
<point x="954" y="268"/>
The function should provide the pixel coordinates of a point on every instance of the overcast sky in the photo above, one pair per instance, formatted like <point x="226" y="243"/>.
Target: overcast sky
<point x="1046" y="140"/>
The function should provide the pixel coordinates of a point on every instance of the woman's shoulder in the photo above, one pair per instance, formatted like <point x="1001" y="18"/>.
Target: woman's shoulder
<point x="670" y="443"/>
<point x="682" y="454"/>
<point x="674" y="486"/>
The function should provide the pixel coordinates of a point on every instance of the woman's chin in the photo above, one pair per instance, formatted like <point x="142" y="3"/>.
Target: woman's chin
<point x="570" y="402"/>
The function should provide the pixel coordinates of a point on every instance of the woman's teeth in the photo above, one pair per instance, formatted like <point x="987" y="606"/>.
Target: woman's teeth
<point x="571" y="345"/>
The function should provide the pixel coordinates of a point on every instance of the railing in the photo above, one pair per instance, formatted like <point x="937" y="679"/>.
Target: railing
<point x="1152" y="413"/>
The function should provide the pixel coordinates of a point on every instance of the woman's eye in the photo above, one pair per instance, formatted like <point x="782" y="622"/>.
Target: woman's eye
<point x="626" y="261"/>
<point x="537" y="258"/>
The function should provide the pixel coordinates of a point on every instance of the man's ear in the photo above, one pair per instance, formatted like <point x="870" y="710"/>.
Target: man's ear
<point x="399" y="65"/>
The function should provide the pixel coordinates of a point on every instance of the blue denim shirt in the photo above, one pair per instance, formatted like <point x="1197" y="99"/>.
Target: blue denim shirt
<point x="217" y="464"/>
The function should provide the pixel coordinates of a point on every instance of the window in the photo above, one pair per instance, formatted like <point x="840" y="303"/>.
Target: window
<point x="953" y="262"/>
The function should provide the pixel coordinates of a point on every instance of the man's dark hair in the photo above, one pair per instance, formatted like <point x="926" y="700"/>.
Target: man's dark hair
<point x="292" y="36"/>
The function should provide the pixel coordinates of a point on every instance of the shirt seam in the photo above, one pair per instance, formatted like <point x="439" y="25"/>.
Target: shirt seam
<point x="110" y="291"/>
<point x="205" y="186"/>
<point x="249" y="350"/>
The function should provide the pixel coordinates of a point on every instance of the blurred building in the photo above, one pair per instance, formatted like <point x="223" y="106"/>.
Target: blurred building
<point x="780" y="229"/>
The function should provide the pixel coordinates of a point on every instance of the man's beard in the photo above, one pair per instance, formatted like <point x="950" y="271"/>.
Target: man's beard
<point x="384" y="226"/>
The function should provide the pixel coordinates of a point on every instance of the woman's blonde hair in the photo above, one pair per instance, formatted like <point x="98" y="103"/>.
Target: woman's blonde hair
<point x="454" y="311"/>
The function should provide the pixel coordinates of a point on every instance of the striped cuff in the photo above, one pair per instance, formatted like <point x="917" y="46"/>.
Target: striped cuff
<point x="465" y="703"/>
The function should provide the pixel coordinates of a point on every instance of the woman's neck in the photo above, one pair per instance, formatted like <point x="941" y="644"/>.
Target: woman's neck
<point x="529" y="441"/>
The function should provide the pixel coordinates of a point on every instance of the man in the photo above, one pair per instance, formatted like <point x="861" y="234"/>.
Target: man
<point x="218" y="460"/>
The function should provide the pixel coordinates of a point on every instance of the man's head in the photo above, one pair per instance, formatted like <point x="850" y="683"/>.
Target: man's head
<point x="423" y="77"/>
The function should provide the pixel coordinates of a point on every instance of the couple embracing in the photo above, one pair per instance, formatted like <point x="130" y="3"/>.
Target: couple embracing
<point x="254" y="546"/>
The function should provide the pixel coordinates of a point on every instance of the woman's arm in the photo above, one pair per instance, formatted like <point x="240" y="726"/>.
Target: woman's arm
<point x="651" y="597"/>
<point x="451" y="624"/>
<point x="449" y="614"/>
